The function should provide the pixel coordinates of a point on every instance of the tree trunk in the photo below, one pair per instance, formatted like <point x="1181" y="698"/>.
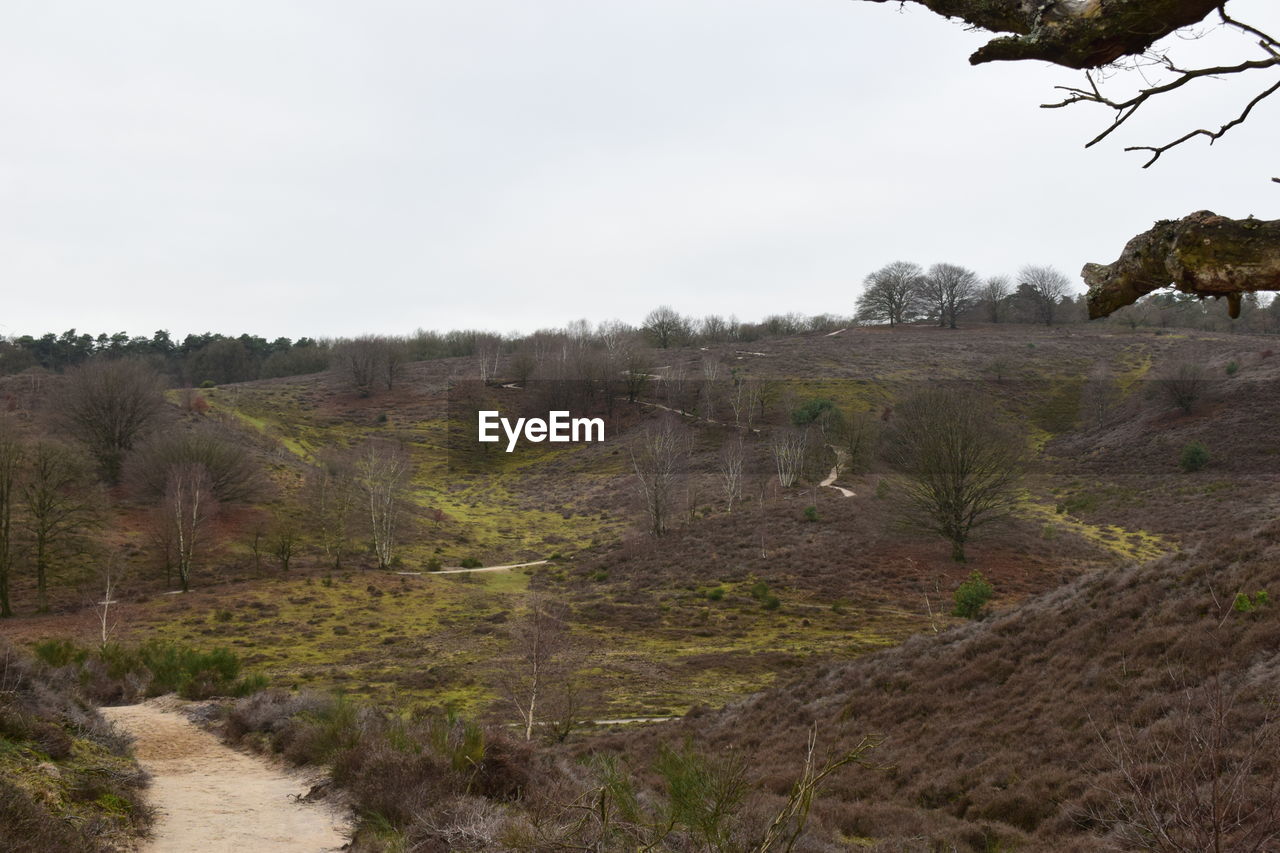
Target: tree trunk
<point x="1203" y="254"/>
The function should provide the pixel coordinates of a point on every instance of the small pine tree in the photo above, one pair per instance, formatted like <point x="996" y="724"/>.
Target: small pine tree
<point x="972" y="595"/>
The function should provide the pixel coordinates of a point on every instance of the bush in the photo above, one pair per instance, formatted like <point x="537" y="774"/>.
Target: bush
<point x="434" y="565"/>
<point x="716" y="594"/>
<point x="471" y="563"/>
<point x="771" y="602"/>
<point x="811" y="513"/>
<point x="972" y="595"/>
<point x="1194" y="457"/>
<point x="1232" y="368"/>
<point x="810" y="411"/>
<point x="59" y="653"/>
<point x="1246" y="603"/>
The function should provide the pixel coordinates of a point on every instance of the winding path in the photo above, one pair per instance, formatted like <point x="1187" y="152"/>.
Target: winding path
<point x="212" y="799"/>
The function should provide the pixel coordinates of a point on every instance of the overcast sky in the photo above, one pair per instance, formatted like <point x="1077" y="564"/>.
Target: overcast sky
<point x="331" y="168"/>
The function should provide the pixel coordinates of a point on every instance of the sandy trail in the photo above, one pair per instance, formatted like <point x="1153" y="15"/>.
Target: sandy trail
<point x="211" y="798"/>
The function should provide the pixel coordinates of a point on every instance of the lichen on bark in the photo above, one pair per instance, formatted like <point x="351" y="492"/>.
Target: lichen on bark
<point x="1202" y="254"/>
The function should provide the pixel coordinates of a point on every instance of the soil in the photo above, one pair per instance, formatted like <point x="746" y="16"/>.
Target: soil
<point x="209" y="797"/>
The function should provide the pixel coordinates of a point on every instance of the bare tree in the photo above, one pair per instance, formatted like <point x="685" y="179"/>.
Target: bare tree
<point x="12" y="451"/>
<point x="1099" y="395"/>
<point x="234" y="475"/>
<point x="110" y="405"/>
<point x="730" y="467"/>
<point x="1184" y="383"/>
<point x="370" y="361"/>
<point x="110" y="577"/>
<point x="665" y="327"/>
<point x="284" y="541"/>
<point x="947" y="290"/>
<point x="658" y="460"/>
<point x="962" y="466"/>
<point x="891" y="294"/>
<point x="383" y="470"/>
<point x="188" y="512"/>
<point x="994" y="294"/>
<point x="59" y="502"/>
<point x="636" y="376"/>
<point x="1045" y="286"/>
<point x="538" y="677"/>
<point x="788" y="448"/>
<point x="332" y="498"/>
<point x="744" y="399"/>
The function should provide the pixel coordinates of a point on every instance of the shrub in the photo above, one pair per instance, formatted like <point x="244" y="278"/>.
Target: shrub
<point x="434" y="565"/>
<point x="771" y="602"/>
<point x="811" y="513"/>
<point x="716" y="594"/>
<point x="1246" y="603"/>
<point x="58" y="653"/>
<point x="471" y="563"/>
<point x="759" y="590"/>
<point x="1233" y="368"/>
<point x="972" y="595"/>
<point x="1194" y="457"/>
<point x="810" y="411"/>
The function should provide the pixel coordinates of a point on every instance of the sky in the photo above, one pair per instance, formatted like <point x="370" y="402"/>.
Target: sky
<point x="326" y="168"/>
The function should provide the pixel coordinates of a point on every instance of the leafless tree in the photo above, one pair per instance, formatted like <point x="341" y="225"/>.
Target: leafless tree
<point x="1046" y="287"/>
<point x="744" y="399"/>
<point x="110" y="576"/>
<point x="110" y="405"/>
<point x="730" y="467"/>
<point x="12" y="451"/>
<point x="948" y="290"/>
<point x="636" y="376"/>
<point x="994" y="294"/>
<point x="788" y="448"/>
<point x="855" y="435"/>
<point x="891" y="294"/>
<point x="60" y="502"/>
<point x="285" y="538"/>
<point x="1099" y="395"/>
<point x="961" y="464"/>
<point x="234" y="474"/>
<point x="332" y="497"/>
<point x="1184" y="383"/>
<point x="369" y="362"/>
<point x="657" y="457"/>
<point x="665" y="327"/>
<point x="383" y="470"/>
<point x="188" y="511"/>
<point x="539" y="677"/>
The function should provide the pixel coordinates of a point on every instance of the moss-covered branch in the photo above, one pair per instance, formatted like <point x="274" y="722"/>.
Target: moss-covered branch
<point x="1203" y="254"/>
<point x="1072" y="33"/>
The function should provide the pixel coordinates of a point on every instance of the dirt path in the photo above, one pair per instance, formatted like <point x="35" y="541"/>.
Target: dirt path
<point x="213" y="799"/>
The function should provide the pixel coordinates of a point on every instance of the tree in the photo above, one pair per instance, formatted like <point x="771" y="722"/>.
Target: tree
<point x="59" y="502"/>
<point x="538" y="678"/>
<point x="947" y="290"/>
<point x="332" y="497"/>
<point x="1184" y="383"/>
<point x="1045" y="287"/>
<point x="961" y="464"/>
<point x="187" y="513"/>
<point x="658" y="460"/>
<point x="788" y="447"/>
<point x="891" y="294"/>
<point x="993" y="295"/>
<point x="665" y="327"/>
<point x="730" y="467"/>
<point x="369" y="362"/>
<point x="110" y="405"/>
<point x="234" y="476"/>
<point x="1238" y="255"/>
<point x="12" y="450"/>
<point x="383" y="470"/>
